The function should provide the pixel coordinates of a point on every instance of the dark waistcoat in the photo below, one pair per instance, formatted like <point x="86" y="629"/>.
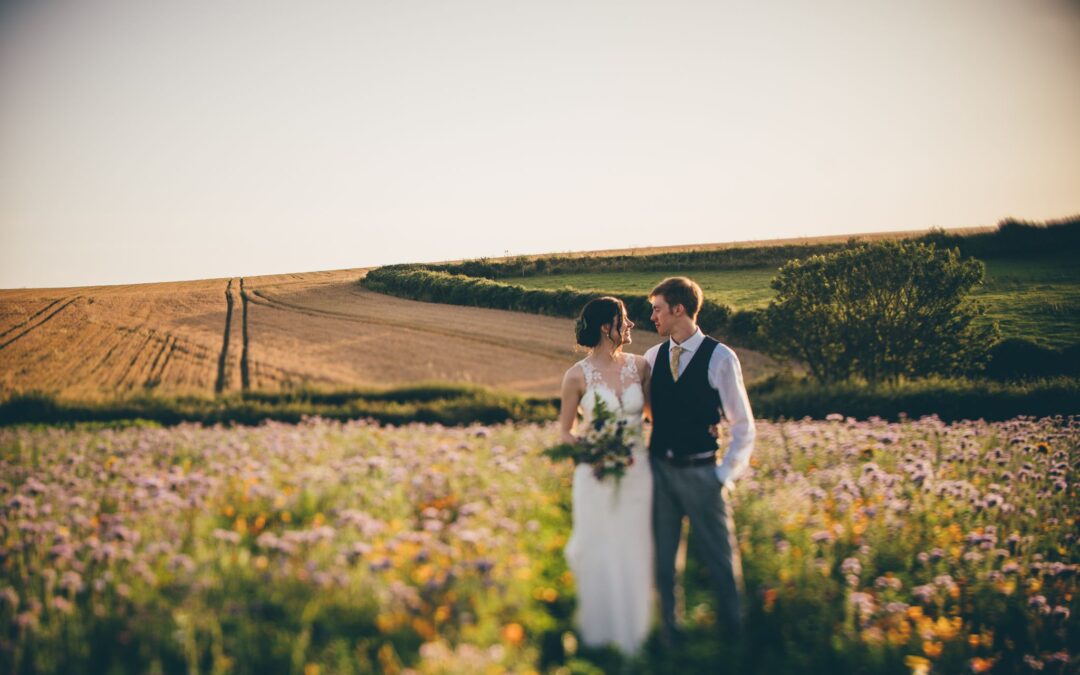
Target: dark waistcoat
<point x="684" y="410"/>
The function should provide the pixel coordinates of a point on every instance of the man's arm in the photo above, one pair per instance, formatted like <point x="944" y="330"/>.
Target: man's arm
<point x="650" y="355"/>
<point x="725" y="374"/>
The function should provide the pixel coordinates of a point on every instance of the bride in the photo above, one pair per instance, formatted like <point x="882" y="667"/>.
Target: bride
<point x="610" y="551"/>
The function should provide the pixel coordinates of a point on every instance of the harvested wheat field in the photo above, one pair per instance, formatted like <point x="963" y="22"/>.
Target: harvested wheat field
<point x="319" y="330"/>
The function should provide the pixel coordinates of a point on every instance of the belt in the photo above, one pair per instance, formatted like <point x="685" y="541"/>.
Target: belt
<point x="700" y="459"/>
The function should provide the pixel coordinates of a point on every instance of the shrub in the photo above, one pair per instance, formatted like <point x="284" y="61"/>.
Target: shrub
<point x="743" y="328"/>
<point x="880" y="311"/>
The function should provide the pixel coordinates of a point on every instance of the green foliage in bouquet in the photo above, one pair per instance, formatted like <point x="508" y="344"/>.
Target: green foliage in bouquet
<point x="604" y="445"/>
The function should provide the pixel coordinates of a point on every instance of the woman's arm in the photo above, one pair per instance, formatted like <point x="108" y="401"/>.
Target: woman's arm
<point x="573" y="387"/>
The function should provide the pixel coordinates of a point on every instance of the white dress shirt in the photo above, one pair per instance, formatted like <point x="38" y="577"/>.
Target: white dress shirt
<point x="725" y="376"/>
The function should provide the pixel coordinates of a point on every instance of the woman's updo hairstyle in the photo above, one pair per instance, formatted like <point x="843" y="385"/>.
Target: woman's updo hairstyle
<point x="596" y="313"/>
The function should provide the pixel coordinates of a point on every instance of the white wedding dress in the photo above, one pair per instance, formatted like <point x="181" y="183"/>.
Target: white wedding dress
<point x="610" y="551"/>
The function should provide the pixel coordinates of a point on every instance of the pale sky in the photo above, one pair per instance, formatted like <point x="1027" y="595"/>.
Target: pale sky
<point x="153" y="140"/>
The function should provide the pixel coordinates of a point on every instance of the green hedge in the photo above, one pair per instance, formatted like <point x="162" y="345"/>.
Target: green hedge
<point x="418" y="283"/>
<point x="451" y="405"/>
<point x="949" y="399"/>
<point x="726" y="258"/>
<point x="775" y="398"/>
<point x="1019" y="358"/>
<point x="1012" y="238"/>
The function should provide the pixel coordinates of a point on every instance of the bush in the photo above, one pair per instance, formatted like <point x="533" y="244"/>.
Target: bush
<point x="743" y="329"/>
<point x="880" y="311"/>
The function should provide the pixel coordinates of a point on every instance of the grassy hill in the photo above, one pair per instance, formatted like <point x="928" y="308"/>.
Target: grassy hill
<point x="1036" y="299"/>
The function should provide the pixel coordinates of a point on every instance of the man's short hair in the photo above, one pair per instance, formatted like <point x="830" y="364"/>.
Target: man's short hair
<point x="680" y="291"/>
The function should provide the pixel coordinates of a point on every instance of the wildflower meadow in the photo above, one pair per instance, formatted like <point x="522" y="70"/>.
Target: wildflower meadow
<point x="348" y="547"/>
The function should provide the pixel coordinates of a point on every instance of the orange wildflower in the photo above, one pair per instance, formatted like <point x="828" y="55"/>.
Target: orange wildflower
<point x="513" y="633"/>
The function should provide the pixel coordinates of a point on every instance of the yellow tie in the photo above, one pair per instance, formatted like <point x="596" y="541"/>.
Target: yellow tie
<point x="676" y="352"/>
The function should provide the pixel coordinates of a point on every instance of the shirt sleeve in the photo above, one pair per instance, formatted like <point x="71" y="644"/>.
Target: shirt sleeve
<point x="650" y="355"/>
<point x="725" y="374"/>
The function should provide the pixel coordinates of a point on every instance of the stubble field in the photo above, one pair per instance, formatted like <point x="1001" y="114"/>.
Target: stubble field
<point x="317" y="330"/>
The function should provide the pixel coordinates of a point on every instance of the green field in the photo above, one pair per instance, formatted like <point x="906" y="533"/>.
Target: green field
<point x="1034" y="299"/>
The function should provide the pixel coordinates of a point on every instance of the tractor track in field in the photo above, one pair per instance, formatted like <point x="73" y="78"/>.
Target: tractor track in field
<point x="172" y="344"/>
<point x="136" y="357"/>
<point x="245" y="372"/>
<point x="32" y="326"/>
<point x="262" y="298"/>
<point x="223" y="357"/>
<point x="153" y="377"/>
<point x="32" y="317"/>
<point x="175" y="343"/>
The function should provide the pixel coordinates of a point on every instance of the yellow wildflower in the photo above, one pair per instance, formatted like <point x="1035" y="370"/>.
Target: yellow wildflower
<point x="424" y="629"/>
<point x="423" y="574"/>
<point x="898" y="638"/>
<point x="947" y="629"/>
<point x="918" y="665"/>
<point x="388" y="659"/>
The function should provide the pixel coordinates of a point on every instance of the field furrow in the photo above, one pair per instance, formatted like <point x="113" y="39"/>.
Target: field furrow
<point x="34" y="324"/>
<point x="139" y="353"/>
<point x="20" y="323"/>
<point x="158" y="373"/>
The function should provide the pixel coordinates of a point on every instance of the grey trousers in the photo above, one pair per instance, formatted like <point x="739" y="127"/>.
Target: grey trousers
<point x="695" y="492"/>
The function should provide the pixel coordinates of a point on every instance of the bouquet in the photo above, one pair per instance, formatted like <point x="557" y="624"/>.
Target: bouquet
<point x="605" y="445"/>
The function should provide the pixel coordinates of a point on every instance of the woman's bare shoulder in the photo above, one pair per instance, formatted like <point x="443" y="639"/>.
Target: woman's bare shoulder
<point x="574" y="373"/>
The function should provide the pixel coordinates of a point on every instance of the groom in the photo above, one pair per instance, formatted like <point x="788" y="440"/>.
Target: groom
<point x="696" y="381"/>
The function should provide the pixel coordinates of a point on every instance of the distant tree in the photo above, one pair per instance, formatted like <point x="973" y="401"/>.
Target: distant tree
<point x="880" y="311"/>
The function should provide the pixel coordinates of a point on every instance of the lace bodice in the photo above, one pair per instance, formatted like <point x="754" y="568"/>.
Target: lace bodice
<point x="626" y="396"/>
